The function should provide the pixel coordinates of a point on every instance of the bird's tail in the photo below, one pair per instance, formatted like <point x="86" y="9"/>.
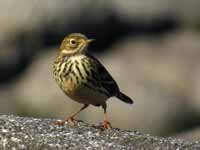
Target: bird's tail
<point x="124" y="98"/>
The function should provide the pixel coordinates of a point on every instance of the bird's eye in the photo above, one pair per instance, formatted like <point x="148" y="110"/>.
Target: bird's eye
<point x="73" y="41"/>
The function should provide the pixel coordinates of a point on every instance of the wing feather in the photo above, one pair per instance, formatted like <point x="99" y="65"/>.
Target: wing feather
<point x="100" y="75"/>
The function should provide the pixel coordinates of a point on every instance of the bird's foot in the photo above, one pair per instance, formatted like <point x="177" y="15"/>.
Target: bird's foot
<point x="69" y="120"/>
<point x="105" y="125"/>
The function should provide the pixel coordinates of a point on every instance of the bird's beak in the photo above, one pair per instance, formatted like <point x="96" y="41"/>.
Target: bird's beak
<point x="90" y="40"/>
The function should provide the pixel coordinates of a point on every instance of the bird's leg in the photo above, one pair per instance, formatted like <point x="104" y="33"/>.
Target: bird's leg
<point x="106" y="124"/>
<point x="70" y="119"/>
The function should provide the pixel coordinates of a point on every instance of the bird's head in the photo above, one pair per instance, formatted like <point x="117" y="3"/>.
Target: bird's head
<point x="75" y="43"/>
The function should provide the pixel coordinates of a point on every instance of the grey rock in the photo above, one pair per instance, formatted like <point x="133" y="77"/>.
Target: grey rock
<point x="36" y="133"/>
<point x="186" y="11"/>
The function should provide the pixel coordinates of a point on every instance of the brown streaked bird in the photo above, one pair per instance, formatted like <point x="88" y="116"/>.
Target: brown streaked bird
<point x="83" y="78"/>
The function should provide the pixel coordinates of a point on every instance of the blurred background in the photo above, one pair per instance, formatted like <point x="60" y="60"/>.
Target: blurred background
<point x="151" y="48"/>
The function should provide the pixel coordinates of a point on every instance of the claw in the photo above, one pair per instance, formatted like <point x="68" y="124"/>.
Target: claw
<point x="69" y="120"/>
<point x="105" y="125"/>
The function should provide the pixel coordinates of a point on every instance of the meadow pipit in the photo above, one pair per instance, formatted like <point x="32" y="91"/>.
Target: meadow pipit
<point x="83" y="78"/>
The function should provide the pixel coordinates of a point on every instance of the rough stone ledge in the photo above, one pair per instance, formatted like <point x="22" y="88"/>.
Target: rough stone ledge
<point x="35" y="133"/>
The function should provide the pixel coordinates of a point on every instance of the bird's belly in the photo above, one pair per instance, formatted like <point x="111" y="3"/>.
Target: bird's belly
<point x="85" y="95"/>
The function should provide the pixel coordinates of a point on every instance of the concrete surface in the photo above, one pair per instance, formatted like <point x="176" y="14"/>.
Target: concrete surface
<point x="35" y="133"/>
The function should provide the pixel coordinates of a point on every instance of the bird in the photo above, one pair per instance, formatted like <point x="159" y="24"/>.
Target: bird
<point x="83" y="78"/>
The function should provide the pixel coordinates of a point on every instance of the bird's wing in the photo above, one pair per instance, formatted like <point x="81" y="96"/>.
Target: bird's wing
<point x="103" y="79"/>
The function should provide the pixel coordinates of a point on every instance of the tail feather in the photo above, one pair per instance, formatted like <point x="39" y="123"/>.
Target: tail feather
<point x="124" y="98"/>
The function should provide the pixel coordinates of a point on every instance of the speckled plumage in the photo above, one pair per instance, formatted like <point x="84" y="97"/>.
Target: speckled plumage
<point x="81" y="76"/>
